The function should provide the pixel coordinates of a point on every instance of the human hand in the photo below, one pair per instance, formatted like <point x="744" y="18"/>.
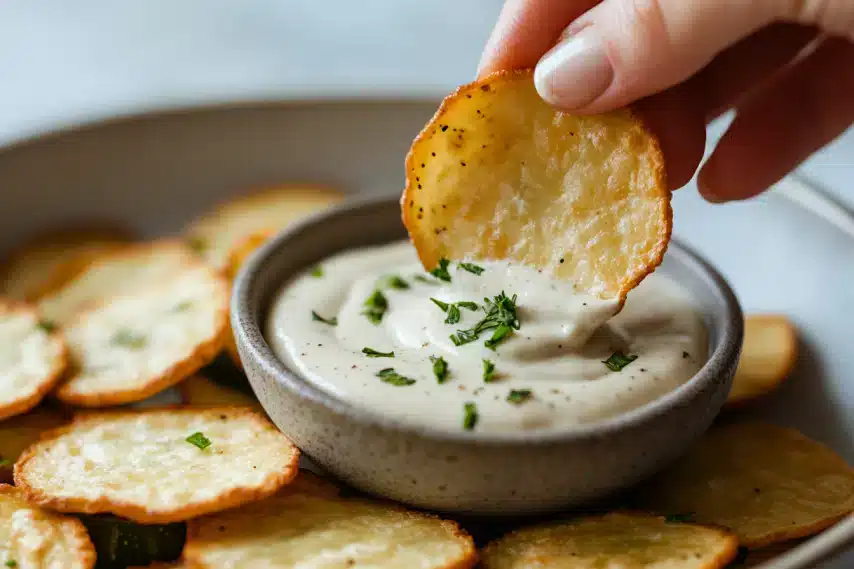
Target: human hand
<point x="785" y="66"/>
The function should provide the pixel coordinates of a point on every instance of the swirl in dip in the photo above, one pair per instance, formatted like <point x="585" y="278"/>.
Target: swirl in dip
<point x="549" y="359"/>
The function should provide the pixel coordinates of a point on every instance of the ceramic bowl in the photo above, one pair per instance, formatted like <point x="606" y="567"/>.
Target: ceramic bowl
<point x="471" y="472"/>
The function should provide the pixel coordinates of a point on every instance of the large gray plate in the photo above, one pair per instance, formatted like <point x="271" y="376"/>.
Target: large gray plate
<point x="154" y="173"/>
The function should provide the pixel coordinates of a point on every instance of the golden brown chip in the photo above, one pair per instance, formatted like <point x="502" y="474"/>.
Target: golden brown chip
<point x="630" y="540"/>
<point x="767" y="483"/>
<point x="33" y="355"/>
<point x="19" y="432"/>
<point x="33" y="538"/>
<point x="307" y="482"/>
<point x="767" y="358"/>
<point x="52" y="258"/>
<point x="499" y="174"/>
<point x="158" y="466"/>
<point x="215" y="234"/>
<point x="301" y="530"/>
<point x="199" y="391"/>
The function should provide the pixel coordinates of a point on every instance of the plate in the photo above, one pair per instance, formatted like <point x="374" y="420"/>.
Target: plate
<point x="788" y="251"/>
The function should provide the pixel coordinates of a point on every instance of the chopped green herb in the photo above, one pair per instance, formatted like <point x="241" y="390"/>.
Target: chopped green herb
<point x="199" y="440"/>
<point x="11" y="563"/>
<point x="372" y="353"/>
<point x="128" y="339"/>
<point x="440" y="368"/>
<point x="618" y="361"/>
<point x="472" y="268"/>
<point x="468" y="305"/>
<point x="197" y="244"/>
<point x="443" y="305"/>
<point x="317" y="271"/>
<point x="318" y="318"/>
<point x="453" y="314"/>
<point x="463" y="337"/>
<point x="425" y="280"/>
<point x="500" y="313"/>
<point x="680" y="518"/>
<point x="182" y="306"/>
<point x="502" y="332"/>
<point x="375" y="306"/>
<point x="488" y="371"/>
<point x="519" y="396"/>
<point x="394" y="281"/>
<point x="470" y="416"/>
<point x="388" y="375"/>
<point x="4" y="462"/>
<point x="441" y="272"/>
<point x="47" y="326"/>
<point x="452" y="310"/>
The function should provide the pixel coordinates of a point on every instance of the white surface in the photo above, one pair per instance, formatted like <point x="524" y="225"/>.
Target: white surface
<point x="63" y="63"/>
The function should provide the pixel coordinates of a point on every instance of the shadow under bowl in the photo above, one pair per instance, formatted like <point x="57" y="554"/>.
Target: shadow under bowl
<point x="470" y="472"/>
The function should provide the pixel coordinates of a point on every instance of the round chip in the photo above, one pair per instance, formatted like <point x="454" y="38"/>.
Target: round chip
<point x="158" y="466"/>
<point x="19" y="432"/>
<point x="32" y="538"/>
<point x="767" y="358"/>
<point x="639" y="541"/>
<point x="199" y="391"/>
<point x="140" y="267"/>
<point x="767" y="483"/>
<point x="216" y="234"/>
<point x="134" y="346"/>
<point x="498" y="174"/>
<point x="300" y="530"/>
<point x="50" y="259"/>
<point x="307" y="482"/>
<point x="33" y="356"/>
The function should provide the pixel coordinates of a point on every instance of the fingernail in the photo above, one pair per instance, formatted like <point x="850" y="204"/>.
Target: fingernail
<point x="575" y="72"/>
<point x="708" y="191"/>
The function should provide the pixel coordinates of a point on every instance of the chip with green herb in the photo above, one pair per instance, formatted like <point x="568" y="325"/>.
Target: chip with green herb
<point x="318" y="318"/>
<point x="618" y="360"/>
<point x="127" y="338"/>
<point x="200" y="440"/>
<point x="519" y="396"/>
<point x="440" y="368"/>
<point x="470" y="416"/>
<point x="375" y="306"/>
<point x="372" y="353"/>
<point x="388" y="375"/>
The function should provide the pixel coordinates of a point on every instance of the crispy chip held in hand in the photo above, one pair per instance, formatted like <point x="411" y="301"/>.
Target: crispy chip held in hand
<point x="499" y="174"/>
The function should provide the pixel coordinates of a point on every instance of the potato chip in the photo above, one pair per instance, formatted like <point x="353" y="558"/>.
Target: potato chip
<point x="500" y="174"/>
<point x="298" y="530"/>
<point x="158" y="466"/>
<point x="767" y="358"/>
<point x="199" y="391"/>
<point x="19" y="432"/>
<point x="215" y="234"/>
<point x="50" y="259"/>
<point x="33" y="538"/>
<point x="766" y="483"/>
<point x="137" y="268"/>
<point x="630" y="540"/>
<point x="307" y="482"/>
<point x="33" y="356"/>
<point x="134" y="346"/>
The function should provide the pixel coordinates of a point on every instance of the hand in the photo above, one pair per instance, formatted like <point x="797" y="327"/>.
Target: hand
<point x="785" y="66"/>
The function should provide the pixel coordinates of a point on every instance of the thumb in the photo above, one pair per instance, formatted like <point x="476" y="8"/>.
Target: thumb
<point x="624" y="50"/>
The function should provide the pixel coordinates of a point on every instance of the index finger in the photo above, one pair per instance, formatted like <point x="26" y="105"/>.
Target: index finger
<point x="526" y="30"/>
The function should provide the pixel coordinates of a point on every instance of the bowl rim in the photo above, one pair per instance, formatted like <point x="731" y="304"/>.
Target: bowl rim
<point x="251" y="340"/>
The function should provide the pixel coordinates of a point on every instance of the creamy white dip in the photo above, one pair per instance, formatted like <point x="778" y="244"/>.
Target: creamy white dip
<point x="549" y="373"/>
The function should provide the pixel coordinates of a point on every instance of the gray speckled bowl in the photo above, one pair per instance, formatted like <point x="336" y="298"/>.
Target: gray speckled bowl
<point x="509" y="474"/>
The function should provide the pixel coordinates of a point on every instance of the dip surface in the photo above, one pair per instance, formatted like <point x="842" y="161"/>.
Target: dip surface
<point x="548" y="374"/>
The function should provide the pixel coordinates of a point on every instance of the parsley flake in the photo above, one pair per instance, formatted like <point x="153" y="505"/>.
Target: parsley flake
<point x="182" y="306"/>
<point x="318" y="318"/>
<point x="199" y="440"/>
<point x="317" y="271"/>
<point x="372" y="353"/>
<point x="11" y="563"/>
<point x="394" y="281"/>
<point x="388" y="375"/>
<point x="441" y="272"/>
<point x="375" y="306"/>
<point x="472" y="268"/>
<point x="128" y="339"/>
<point x="46" y="325"/>
<point x="4" y="462"/>
<point x="519" y="396"/>
<point x="440" y="368"/>
<point x="470" y="416"/>
<point x="618" y="361"/>
<point x="468" y="305"/>
<point x="685" y="517"/>
<point x="500" y="316"/>
<point x="425" y="280"/>
<point x="488" y="371"/>
<point x="452" y="310"/>
<point x="197" y="244"/>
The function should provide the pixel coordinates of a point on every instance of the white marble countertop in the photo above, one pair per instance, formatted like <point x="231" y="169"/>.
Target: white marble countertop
<point x="66" y="63"/>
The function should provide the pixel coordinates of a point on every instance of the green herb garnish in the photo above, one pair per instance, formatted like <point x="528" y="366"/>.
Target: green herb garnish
<point x="440" y="368"/>
<point x="128" y="339"/>
<point x="199" y="440"/>
<point x="11" y="563"/>
<point x="488" y="371"/>
<point x="46" y="325"/>
<point x="375" y="306"/>
<point x="318" y="318"/>
<point x="472" y="268"/>
<point x="519" y="396"/>
<point x="452" y="310"/>
<point x="500" y="315"/>
<point x="443" y="305"/>
<point x="425" y="280"/>
<point x="618" y="361"/>
<point x="182" y="306"/>
<point x="4" y="462"/>
<point x="388" y="375"/>
<point x="468" y="305"/>
<point x="317" y="271"/>
<point x="679" y="518"/>
<point x="394" y="281"/>
<point x="197" y="244"/>
<point x="372" y="353"/>
<point x="470" y="416"/>
<point x="441" y="272"/>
